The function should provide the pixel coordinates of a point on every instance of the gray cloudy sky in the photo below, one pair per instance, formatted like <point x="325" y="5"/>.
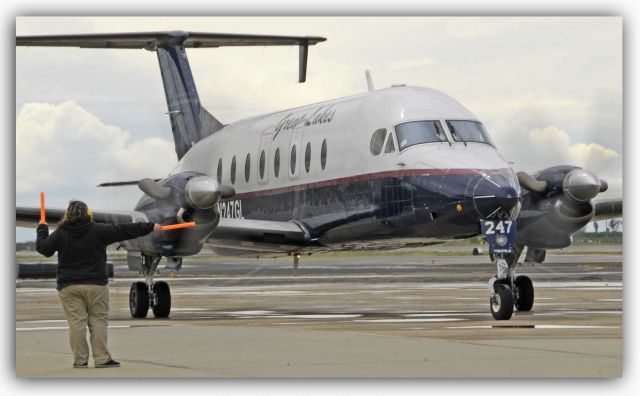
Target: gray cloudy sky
<point x="549" y="89"/>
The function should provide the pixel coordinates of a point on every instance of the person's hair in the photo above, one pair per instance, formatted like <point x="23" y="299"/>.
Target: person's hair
<point x="75" y="210"/>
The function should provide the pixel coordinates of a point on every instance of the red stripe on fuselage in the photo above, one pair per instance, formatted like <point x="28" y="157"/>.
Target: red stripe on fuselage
<point x="366" y="177"/>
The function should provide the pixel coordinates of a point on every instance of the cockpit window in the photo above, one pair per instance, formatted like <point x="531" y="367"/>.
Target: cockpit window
<point x="391" y="147"/>
<point x="377" y="140"/>
<point x="468" y="131"/>
<point x="416" y="132"/>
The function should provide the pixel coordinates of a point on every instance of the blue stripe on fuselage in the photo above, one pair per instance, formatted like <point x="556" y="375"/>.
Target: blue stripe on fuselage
<point x="359" y="208"/>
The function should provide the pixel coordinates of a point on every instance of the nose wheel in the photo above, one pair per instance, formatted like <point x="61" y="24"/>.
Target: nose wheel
<point x="507" y="291"/>
<point x="147" y="294"/>
<point x="501" y="302"/>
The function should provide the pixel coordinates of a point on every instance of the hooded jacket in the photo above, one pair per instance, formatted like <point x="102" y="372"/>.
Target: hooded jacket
<point x="82" y="248"/>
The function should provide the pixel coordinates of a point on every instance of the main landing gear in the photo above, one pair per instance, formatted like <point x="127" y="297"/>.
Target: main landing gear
<point x="149" y="294"/>
<point x="508" y="290"/>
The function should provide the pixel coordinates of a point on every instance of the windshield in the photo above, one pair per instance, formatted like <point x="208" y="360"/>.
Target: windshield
<point x="416" y="132"/>
<point x="468" y="131"/>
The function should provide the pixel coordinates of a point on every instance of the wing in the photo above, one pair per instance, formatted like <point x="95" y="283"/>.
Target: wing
<point x="30" y="217"/>
<point x="608" y="209"/>
<point x="259" y="235"/>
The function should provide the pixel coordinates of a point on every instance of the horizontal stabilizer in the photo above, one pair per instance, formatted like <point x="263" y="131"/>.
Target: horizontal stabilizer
<point x="150" y="39"/>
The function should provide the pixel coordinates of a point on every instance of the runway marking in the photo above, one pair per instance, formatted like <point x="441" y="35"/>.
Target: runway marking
<point x="60" y="328"/>
<point x="563" y="312"/>
<point x="452" y="313"/>
<point x="319" y="316"/>
<point x="258" y="313"/>
<point x="408" y="320"/>
<point x="534" y="327"/>
<point x="44" y="321"/>
<point x="610" y="299"/>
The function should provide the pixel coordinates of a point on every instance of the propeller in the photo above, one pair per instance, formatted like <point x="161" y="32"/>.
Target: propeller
<point x="531" y="183"/>
<point x="200" y="192"/>
<point x="579" y="184"/>
<point x="153" y="189"/>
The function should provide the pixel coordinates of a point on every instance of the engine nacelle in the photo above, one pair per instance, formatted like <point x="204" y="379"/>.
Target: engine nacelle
<point x="549" y="217"/>
<point x="183" y="197"/>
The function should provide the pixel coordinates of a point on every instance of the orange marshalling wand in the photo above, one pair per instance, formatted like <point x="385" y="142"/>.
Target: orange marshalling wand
<point x="42" y="212"/>
<point x="176" y="226"/>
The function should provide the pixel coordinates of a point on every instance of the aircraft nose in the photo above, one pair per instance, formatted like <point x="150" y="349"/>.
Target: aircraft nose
<point x="494" y="195"/>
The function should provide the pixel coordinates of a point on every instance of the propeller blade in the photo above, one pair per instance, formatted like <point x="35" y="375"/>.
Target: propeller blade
<point x="531" y="183"/>
<point x="153" y="189"/>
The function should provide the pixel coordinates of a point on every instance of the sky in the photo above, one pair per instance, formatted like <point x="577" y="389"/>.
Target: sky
<point x="548" y="89"/>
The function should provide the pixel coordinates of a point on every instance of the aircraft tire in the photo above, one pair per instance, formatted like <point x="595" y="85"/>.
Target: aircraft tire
<point x="501" y="303"/>
<point x="138" y="300"/>
<point x="524" y="293"/>
<point x="162" y="300"/>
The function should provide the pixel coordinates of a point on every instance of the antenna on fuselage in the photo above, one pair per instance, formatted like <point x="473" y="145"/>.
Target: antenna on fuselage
<point x="369" y="81"/>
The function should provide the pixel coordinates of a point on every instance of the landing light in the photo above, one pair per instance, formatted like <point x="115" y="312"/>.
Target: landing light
<point x="459" y="208"/>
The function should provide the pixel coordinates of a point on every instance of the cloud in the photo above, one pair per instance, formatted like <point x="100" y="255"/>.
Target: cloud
<point x="410" y="64"/>
<point x="66" y="151"/>
<point x="541" y="148"/>
<point x="595" y="156"/>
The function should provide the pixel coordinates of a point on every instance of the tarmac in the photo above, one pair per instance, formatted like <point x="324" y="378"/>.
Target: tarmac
<point x="344" y="316"/>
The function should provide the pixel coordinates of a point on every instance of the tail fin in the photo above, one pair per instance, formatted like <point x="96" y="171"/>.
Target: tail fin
<point x="190" y="122"/>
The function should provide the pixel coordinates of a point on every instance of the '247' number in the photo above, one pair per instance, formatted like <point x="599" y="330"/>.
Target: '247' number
<point x="501" y="227"/>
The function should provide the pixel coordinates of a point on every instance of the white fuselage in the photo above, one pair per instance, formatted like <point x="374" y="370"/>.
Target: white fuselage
<point x="347" y="125"/>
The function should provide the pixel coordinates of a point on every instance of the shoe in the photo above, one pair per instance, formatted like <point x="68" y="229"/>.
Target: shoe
<point x="86" y="365"/>
<point x="109" y="363"/>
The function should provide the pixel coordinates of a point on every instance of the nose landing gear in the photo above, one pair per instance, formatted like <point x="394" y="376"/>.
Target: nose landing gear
<point x="507" y="290"/>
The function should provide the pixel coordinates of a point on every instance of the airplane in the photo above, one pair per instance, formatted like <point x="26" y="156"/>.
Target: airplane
<point x="390" y="168"/>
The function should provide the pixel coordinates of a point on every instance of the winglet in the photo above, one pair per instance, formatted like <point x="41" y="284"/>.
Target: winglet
<point x="302" y="61"/>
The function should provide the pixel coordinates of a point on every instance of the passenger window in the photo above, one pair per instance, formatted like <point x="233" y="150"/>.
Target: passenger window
<point x="323" y="154"/>
<point x="417" y="132"/>
<point x="247" y="168"/>
<point x="276" y="162"/>
<point x="293" y="160"/>
<point x="262" y="165"/>
<point x="307" y="157"/>
<point x="391" y="147"/>
<point x="233" y="170"/>
<point x="377" y="140"/>
<point x="219" y="170"/>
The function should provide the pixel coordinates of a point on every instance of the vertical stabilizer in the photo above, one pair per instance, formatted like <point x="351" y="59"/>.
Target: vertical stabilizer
<point x="190" y="122"/>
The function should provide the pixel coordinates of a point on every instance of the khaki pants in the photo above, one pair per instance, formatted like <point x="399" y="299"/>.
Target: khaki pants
<point x="87" y="305"/>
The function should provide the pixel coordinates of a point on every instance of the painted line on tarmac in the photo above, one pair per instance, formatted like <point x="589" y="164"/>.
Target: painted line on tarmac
<point x="409" y="320"/>
<point x="543" y="327"/>
<point x="60" y="328"/>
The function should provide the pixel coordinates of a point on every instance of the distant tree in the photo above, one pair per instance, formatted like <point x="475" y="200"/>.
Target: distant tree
<point x="614" y="224"/>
